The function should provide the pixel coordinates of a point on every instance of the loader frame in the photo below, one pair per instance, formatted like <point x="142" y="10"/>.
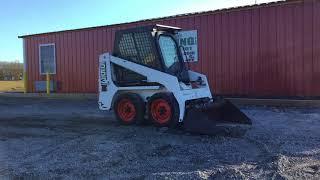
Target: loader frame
<point x="182" y="92"/>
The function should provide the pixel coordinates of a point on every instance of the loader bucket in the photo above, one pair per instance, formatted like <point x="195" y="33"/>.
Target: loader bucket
<point x="215" y="118"/>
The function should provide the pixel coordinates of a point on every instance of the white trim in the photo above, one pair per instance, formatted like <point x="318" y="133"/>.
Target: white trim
<point x="54" y="59"/>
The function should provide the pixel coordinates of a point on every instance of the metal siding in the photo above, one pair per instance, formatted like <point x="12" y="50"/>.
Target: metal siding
<point x="232" y="58"/>
<point x="307" y="48"/>
<point x="28" y="61"/>
<point x="100" y="38"/>
<point x="90" y="59"/>
<point x="75" y="63"/>
<point x="84" y="60"/>
<point x="280" y="47"/>
<point x="98" y="50"/>
<point x="31" y="64"/>
<point x="71" y="63"/>
<point x="57" y="76"/>
<point x="262" y="66"/>
<point x="109" y="40"/>
<point x="298" y="47"/>
<point x="225" y="52"/>
<point x="217" y="53"/>
<point x="80" y="68"/>
<point x="260" y="51"/>
<point x="239" y="60"/>
<point x="80" y="60"/>
<point x="206" y="51"/>
<point x="273" y="59"/>
<point x="34" y="62"/>
<point x="197" y="65"/>
<point x="316" y="49"/>
<point x="211" y="69"/>
<point x="61" y="68"/>
<point x="247" y="78"/>
<point x="95" y="57"/>
<point x="66" y="55"/>
<point x="291" y="40"/>
<point x="201" y="43"/>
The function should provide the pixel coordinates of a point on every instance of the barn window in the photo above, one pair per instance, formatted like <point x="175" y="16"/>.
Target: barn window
<point x="47" y="58"/>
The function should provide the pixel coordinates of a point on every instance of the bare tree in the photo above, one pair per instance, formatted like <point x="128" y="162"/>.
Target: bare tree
<point x="11" y="70"/>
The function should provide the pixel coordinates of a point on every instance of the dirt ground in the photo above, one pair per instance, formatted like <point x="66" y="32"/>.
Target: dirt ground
<point x="11" y="86"/>
<point x="72" y="139"/>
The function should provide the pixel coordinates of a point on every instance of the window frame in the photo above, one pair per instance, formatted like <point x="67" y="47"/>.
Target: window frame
<point x="180" y="58"/>
<point x="54" y="57"/>
<point x="162" y="53"/>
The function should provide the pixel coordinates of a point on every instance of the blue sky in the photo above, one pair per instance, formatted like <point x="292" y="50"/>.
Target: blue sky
<point x="20" y="17"/>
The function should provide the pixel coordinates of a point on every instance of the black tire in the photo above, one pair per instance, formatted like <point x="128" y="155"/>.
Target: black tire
<point x="168" y="103"/>
<point x="129" y="108"/>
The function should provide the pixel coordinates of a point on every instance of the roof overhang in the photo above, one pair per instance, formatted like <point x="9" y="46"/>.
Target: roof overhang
<point x="275" y="3"/>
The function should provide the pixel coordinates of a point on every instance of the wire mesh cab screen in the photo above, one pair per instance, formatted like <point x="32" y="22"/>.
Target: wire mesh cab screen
<point x="136" y="45"/>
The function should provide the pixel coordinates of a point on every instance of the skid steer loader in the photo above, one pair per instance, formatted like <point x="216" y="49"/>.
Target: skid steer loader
<point x="146" y="79"/>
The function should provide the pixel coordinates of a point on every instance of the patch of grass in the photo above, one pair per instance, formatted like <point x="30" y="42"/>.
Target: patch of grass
<point x="11" y="86"/>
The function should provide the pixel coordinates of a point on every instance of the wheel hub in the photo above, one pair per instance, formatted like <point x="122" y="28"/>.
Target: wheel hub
<point x="126" y="110"/>
<point x="161" y="111"/>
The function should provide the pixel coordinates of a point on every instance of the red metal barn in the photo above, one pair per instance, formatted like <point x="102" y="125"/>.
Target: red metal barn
<point x="267" y="50"/>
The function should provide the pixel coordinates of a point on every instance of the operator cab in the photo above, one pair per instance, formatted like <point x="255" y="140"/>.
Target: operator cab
<point x="153" y="46"/>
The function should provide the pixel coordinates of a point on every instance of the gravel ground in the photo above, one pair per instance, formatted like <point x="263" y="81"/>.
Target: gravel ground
<point x="50" y="138"/>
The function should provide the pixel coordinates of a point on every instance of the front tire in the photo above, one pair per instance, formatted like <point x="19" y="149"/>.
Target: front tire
<point x="163" y="110"/>
<point x="129" y="108"/>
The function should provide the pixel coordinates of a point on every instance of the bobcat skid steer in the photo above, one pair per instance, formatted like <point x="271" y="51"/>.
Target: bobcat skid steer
<point x="146" y="79"/>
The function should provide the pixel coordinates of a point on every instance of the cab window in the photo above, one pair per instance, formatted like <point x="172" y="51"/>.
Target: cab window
<point x="169" y="50"/>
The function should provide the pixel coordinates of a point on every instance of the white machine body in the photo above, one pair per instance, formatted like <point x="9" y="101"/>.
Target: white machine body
<point x="167" y="83"/>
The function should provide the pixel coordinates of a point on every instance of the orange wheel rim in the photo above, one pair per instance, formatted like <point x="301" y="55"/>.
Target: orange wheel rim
<point x="161" y="111"/>
<point x="126" y="110"/>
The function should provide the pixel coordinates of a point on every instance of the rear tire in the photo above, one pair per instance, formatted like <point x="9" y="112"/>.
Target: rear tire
<point x="163" y="110"/>
<point x="129" y="108"/>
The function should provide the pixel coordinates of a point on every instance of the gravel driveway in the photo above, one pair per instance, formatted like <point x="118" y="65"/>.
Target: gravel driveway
<point x="70" y="138"/>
